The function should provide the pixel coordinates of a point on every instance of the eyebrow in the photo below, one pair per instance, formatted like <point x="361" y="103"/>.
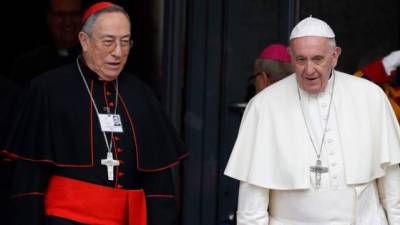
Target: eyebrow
<point x="112" y="36"/>
<point x="313" y="57"/>
<point x="318" y="57"/>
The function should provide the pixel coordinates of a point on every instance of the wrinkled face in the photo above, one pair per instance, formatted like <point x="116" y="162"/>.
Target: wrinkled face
<point x="64" y="21"/>
<point x="313" y="59"/>
<point x="106" y="49"/>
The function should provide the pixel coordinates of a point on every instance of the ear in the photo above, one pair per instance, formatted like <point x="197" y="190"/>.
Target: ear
<point x="268" y="80"/>
<point x="336" y="55"/>
<point x="265" y="79"/>
<point x="84" y="40"/>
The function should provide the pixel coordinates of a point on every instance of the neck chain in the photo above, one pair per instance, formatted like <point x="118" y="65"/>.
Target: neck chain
<point x="318" y="169"/>
<point x="108" y="143"/>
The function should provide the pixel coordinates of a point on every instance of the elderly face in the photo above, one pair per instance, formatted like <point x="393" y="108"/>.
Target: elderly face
<point x="64" y="21"/>
<point x="313" y="59"/>
<point x="106" y="49"/>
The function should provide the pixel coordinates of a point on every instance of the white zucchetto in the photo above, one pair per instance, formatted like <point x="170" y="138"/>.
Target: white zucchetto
<point x="312" y="27"/>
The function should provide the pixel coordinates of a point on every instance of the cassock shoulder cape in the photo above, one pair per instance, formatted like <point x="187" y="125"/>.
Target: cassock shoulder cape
<point x="272" y="146"/>
<point x="56" y="125"/>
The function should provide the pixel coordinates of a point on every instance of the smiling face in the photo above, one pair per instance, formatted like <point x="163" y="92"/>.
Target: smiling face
<point x="313" y="59"/>
<point x="106" y="48"/>
<point x="64" y="20"/>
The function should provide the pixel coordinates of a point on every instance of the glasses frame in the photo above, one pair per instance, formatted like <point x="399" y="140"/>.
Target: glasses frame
<point x="110" y="43"/>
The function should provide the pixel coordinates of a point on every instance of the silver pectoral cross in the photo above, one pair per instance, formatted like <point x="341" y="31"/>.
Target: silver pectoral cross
<point x="318" y="169"/>
<point x="110" y="163"/>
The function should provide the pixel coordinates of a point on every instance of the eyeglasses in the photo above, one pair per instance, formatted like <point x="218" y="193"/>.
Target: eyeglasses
<point x="110" y="43"/>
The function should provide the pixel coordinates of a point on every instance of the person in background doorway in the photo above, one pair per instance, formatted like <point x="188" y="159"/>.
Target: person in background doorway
<point x="64" y="23"/>
<point x="272" y="65"/>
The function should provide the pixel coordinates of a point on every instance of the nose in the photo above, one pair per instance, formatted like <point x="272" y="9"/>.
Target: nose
<point x="309" y="67"/>
<point x="117" y="51"/>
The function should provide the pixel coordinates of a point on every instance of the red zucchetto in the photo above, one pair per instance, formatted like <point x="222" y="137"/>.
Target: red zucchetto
<point x="93" y="9"/>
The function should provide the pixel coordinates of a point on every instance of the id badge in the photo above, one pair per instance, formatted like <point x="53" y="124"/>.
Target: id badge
<point x="111" y="123"/>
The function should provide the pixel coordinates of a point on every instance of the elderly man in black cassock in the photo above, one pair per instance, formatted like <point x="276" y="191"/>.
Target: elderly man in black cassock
<point x="91" y="144"/>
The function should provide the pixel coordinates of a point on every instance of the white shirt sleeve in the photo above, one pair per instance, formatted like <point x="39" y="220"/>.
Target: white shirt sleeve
<point x="389" y="194"/>
<point x="252" y="205"/>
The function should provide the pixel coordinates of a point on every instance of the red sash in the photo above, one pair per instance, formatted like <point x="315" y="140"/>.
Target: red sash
<point x="94" y="204"/>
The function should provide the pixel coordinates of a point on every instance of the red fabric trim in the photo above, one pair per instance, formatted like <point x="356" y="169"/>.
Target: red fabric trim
<point x="94" y="204"/>
<point x="26" y="194"/>
<point x="14" y="156"/>
<point x="184" y="156"/>
<point x="95" y="8"/>
<point x="376" y="73"/>
<point x="116" y="158"/>
<point x="167" y="166"/>
<point x="132" y="129"/>
<point x="105" y="91"/>
<point x="137" y="147"/>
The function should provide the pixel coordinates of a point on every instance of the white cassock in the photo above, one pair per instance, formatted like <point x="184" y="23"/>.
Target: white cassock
<point x="273" y="154"/>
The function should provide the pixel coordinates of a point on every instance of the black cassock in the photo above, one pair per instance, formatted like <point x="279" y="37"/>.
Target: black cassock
<point x="58" y="133"/>
<point x="40" y="60"/>
<point x="10" y="102"/>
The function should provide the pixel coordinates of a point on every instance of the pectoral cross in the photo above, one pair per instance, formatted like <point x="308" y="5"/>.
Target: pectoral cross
<point x="318" y="169"/>
<point x="110" y="163"/>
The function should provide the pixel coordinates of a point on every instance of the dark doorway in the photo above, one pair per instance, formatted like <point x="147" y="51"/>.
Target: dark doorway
<point x="366" y="30"/>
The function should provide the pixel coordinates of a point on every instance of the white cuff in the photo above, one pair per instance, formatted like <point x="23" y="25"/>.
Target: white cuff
<point x="252" y="205"/>
<point x="389" y="193"/>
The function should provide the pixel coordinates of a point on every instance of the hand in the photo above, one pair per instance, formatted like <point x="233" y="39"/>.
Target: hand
<point x="391" y="61"/>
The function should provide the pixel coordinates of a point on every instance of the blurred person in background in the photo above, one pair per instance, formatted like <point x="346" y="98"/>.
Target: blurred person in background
<point x="64" y="23"/>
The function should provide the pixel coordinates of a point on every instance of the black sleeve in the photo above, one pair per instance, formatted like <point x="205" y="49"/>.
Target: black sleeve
<point x="160" y="198"/>
<point x="30" y="182"/>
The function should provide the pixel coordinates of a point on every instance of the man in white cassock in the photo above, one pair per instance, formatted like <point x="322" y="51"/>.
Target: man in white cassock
<point x="319" y="147"/>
